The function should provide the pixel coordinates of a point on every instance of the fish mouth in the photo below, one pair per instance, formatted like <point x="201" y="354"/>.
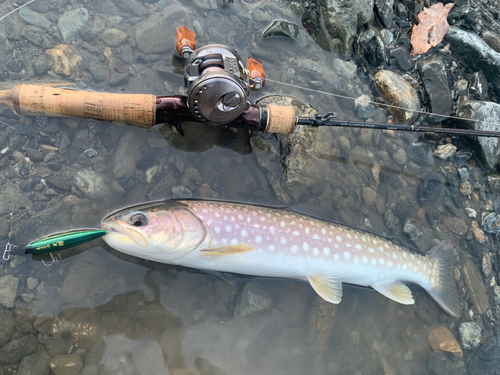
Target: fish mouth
<point x="121" y="235"/>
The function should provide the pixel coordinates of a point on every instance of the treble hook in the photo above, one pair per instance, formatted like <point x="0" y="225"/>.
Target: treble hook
<point x="54" y="260"/>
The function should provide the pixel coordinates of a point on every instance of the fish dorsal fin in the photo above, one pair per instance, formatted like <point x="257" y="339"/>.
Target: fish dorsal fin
<point x="329" y="287"/>
<point x="227" y="250"/>
<point x="395" y="290"/>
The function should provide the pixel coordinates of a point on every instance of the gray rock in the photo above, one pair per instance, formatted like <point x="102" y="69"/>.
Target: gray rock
<point x="432" y="72"/>
<point x="55" y="346"/>
<point x="385" y="12"/>
<point x="370" y="45"/>
<point x="253" y="299"/>
<point x="114" y="37"/>
<point x="283" y="29"/>
<point x="399" y="93"/>
<point x="441" y="365"/>
<point x="31" y="365"/>
<point x="112" y="285"/>
<point x="470" y="335"/>
<point x="489" y="153"/>
<point x="128" y="153"/>
<point x="95" y="68"/>
<point x="491" y="223"/>
<point x="343" y="17"/>
<point x="486" y="360"/>
<point x="72" y="23"/>
<point x="475" y="53"/>
<point x="492" y="39"/>
<point x="7" y="325"/>
<point x="34" y="18"/>
<point x="474" y="283"/>
<point x="8" y="290"/>
<point x="401" y="57"/>
<point x="131" y="6"/>
<point x="206" y="4"/>
<point x="478" y="86"/>
<point x="70" y="364"/>
<point x="17" y="349"/>
<point x="168" y="20"/>
<point x="364" y="109"/>
<point x="87" y="270"/>
<point x="37" y="36"/>
<point x="11" y="196"/>
<point x="181" y="192"/>
<point x="431" y="189"/>
<point x="93" y="185"/>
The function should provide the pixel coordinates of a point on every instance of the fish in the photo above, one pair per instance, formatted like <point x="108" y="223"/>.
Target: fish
<point x="277" y="242"/>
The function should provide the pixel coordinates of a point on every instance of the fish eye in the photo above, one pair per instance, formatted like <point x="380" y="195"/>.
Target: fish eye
<point x="138" y="219"/>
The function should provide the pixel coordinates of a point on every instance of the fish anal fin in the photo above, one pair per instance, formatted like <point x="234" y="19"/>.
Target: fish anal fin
<point x="395" y="290"/>
<point x="329" y="287"/>
<point x="227" y="250"/>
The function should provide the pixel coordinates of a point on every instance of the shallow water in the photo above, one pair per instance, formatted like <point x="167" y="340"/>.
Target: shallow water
<point x="124" y="315"/>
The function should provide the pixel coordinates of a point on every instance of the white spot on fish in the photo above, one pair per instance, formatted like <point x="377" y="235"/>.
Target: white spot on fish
<point x="404" y="267"/>
<point x="225" y="217"/>
<point x="349" y="236"/>
<point x="294" y="248"/>
<point x="329" y="240"/>
<point x="404" y="255"/>
<point x="371" y="250"/>
<point x="249" y="220"/>
<point x="326" y="250"/>
<point x="365" y="260"/>
<point x="228" y="228"/>
<point x="262" y="218"/>
<point x="240" y="217"/>
<point x="217" y="230"/>
<point x="389" y="264"/>
<point x="258" y="239"/>
<point x="415" y="268"/>
<point x="386" y="246"/>
<point x="323" y="231"/>
<point x="307" y="230"/>
<point x="363" y="239"/>
<point x="295" y="233"/>
<point x="244" y="233"/>
<point x="425" y="267"/>
<point x="316" y="251"/>
<point x="305" y="246"/>
<point x="394" y="255"/>
<point x="336" y="257"/>
<point x="374" y="261"/>
<point x="316" y="237"/>
<point x="347" y="255"/>
<point x="224" y="241"/>
<point x="381" y="260"/>
<point x="283" y="241"/>
<point x="412" y="256"/>
<point x="217" y="214"/>
<point x="359" y="247"/>
<point x="271" y="247"/>
<point x="356" y="260"/>
<point x="336" y="246"/>
<point x="374" y="241"/>
<point x="348" y="245"/>
<point x="381" y="248"/>
<point x="418" y="262"/>
<point x="282" y="224"/>
<point x="234" y="241"/>
<point x="339" y="239"/>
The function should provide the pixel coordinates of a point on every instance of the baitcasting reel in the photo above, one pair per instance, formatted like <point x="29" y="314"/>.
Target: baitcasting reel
<point x="217" y="80"/>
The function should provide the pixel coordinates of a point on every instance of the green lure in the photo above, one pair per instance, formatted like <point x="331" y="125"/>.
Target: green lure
<point x="63" y="241"/>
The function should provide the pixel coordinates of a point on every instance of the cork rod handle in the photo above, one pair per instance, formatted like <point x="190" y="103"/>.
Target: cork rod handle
<point x="38" y="100"/>
<point x="280" y="119"/>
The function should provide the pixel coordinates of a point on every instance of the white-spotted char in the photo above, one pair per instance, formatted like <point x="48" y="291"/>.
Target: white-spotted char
<point x="273" y="242"/>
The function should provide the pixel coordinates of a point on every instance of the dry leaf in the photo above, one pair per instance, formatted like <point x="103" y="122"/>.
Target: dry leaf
<point x="431" y="29"/>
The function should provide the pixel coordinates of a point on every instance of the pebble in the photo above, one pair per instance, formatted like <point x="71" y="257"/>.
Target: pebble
<point x="280" y="28"/>
<point x="400" y="157"/>
<point x="478" y="233"/>
<point x="34" y="365"/>
<point x="64" y="59"/>
<point x="27" y="297"/>
<point x="463" y="172"/>
<point x="17" y="349"/>
<point x="114" y="37"/>
<point x="470" y="335"/>
<point x="181" y="192"/>
<point x="456" y="225"/>
<point x="253" y="300"/>
<point x="376" y="172"/>
<point x="70" y="364"/>
<point x="496" y="294"/>
<point x="72" y="23"/>
<point x="491" y="223"/>
<point x="363" y="107"/>
<point x="486" y="265"/>
<point x="369" y="195"/>
<point x="442" y="340"/>
<point x="466" y="188"/>
<point x="445" y="151"/>
<point x="470" y="212"/>
<point x="344" y="143"/>
<point x="8" y="290"/>
<point x="34" y="18"/>
<point x="7" y="325"/>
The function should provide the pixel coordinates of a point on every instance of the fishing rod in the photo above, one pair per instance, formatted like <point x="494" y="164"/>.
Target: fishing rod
<point x="218" y="85"/>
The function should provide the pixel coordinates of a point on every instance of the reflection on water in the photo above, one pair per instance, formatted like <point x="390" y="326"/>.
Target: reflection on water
<point x="100" y="312"/>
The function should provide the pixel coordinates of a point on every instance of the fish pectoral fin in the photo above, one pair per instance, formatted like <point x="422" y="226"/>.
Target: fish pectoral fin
<point x="227" y="250"/>
<point x="395" y="290"/>
<point x="329" y="287"/>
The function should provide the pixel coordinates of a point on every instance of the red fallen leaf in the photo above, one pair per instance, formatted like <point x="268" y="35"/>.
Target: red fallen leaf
<point x="431" y="29"/>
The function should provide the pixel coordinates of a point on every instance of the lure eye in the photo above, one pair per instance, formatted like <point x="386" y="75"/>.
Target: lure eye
<point x="138" y="219"/>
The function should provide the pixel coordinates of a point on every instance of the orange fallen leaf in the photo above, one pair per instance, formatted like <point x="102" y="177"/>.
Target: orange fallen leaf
<point x="431" y="29"/>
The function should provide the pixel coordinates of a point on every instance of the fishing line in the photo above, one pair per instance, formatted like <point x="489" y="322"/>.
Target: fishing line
<point x="381" y="104"/>
<point x="485" y="13"/>
<point x="29" y="2"/>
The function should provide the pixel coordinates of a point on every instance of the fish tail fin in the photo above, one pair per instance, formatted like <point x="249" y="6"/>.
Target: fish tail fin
<point x="445" y="293"/>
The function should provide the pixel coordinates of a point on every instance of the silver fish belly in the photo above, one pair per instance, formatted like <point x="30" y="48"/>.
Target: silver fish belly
<point x="273" y="242"/>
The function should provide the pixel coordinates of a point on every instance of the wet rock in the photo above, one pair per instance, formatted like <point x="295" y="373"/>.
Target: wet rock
<point x="486" y="360"/>
<point x="17" y="349"/>
<point x="363" y="107"/>
<point x="70" y="364"/>
<point x="370" y="45"/>
<point x="491" y="223"/>
<point x="466" y="188"/>
<point x="478" y="86"/>
<point x="369" y="195"/>
<point x="8" y="290"/>
<point x="181" y="192"/>
<point x="204" y="367"/>
<point x="283" y="29"/>
<point x="34" y="18"/>
<point x="475" y="53"/>
<point x="477" y="233"/>
<point x="476" y="287"/>
<point x="342" y="19"/>
<point x="442" y="340"/>
<point x="470" y="335"/>
<point x="133" y="7"/>
<point x="253" y="300"/>
<point x="7" y="326"/>
<point x="93" y="185"/>
<point x="385" y="12"/>
<point x="112" y="285"/>
<point x="260" y="16"/>
<point x="117" y="79"/>
<point x="321" y="320"/>
<point x="398" y="92"/>
<point x="38" y="37"/>
<point x="494" y="182"/>
<point x="441" y="365"/>
<point x="64" y="59"/>
<point x="431" y="189"/>
<point x="401" y="58"/>
<point x="432" y="72"/>
<point x="55" y="346"/>
<point x="456" y="225"/>
<point x="87" y="270"/>
<point x="400" y="157"/>
<point x="492" y="39"/>
<point x="483" y="111"/>
<point x="420" y="153"/>
<point x="128" y="153"/>
<point x="463" y="173"/>
<point x="34" y="365"/>
<point x="114" y="37"/>
<point x="168" y="20"/>
<point x="486" y="265"/>
<point x="72" y="23"/>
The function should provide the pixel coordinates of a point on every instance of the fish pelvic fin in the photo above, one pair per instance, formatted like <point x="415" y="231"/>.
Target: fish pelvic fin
<point x="227" y="250"/>
<point x="445" y="292"/>
<point x="395" y="290"/>
<point x="329" y="287"/>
